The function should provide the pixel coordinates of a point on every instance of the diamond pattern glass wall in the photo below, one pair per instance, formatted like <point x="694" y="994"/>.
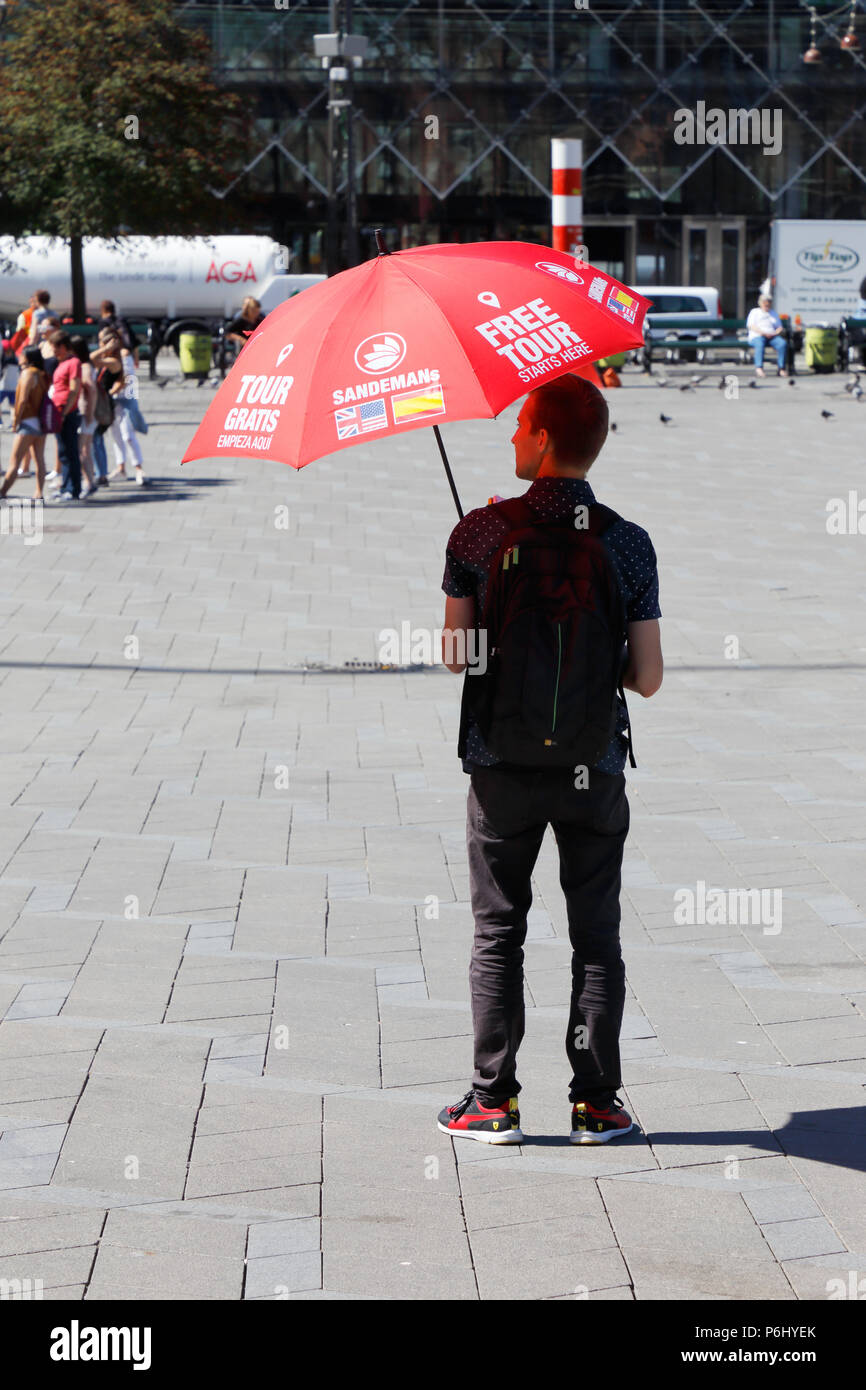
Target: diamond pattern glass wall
<point x="503" y="78"/>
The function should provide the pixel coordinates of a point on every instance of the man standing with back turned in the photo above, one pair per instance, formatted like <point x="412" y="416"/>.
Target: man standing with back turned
<point x="565" y="592"/>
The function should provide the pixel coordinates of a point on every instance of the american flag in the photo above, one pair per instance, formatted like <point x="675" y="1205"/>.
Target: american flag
<point x="358" y="419"/>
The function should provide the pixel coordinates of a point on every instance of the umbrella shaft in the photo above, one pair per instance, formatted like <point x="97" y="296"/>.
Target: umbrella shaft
<point x="448" y="471"/>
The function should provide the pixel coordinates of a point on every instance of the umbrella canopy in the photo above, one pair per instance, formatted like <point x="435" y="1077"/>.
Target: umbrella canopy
<point x="414" y="338"/>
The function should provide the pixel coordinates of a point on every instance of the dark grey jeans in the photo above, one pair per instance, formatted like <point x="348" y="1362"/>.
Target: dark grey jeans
<point x="508" y="812"/>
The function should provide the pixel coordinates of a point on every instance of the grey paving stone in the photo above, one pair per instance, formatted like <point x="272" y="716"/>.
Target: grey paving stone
<point x="509" y="1266"/>
<point x="283" y="1238"/>
<point x="32" y="1142"/>
<point x="27" y="1171"/>
<point x="23" y="1235"/>
<point x="252" y="1174"/>
<point x="177" y="1233"/>
<point x="709" y="1225"/>
<point x="273" y="1142"/>
<point x="833" y="1278"/>
<point x="127" y="1275"/>
<point x="56" y="1267"/>
<point x="694" y="1275"/>
<point x="282" y="1274"/>
<point x="790" y="1240"/>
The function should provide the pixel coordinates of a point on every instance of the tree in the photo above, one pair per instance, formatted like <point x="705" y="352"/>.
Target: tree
<point x="112" y="124"/>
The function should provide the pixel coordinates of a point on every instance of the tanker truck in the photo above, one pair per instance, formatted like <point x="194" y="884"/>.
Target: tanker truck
<point x="174" y="284"/>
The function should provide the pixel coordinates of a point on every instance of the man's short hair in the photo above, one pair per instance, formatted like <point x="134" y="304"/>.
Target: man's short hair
<point x="575" y="415"/>
<point x="59" y="338"/>
<point x="42" y="297"/>
<point x="107" y="309"/>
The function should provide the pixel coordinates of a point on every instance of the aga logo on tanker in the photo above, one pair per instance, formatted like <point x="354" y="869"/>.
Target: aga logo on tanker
<point x="230" y="272"/>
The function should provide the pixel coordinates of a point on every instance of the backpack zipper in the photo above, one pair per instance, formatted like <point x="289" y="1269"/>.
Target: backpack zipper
<point x="558" y="672"/>
<point x="511" y="555"/>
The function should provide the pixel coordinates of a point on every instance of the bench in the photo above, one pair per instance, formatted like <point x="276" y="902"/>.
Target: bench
<point x="721" y="335"/>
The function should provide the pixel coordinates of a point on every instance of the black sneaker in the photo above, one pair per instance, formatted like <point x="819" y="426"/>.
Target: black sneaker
<point x="594" y="1122"/>
<point x="471" y="1120"/>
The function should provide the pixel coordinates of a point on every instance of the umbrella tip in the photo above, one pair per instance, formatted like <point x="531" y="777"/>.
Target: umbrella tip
<point x="380" y="243"/>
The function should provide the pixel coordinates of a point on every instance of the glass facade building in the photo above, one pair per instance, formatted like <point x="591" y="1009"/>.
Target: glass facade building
<point x="456" y="103"/>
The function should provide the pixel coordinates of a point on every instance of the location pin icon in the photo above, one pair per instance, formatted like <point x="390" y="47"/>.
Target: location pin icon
<point x="488" y="297"/>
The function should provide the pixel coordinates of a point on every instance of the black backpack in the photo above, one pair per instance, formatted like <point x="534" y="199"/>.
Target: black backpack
<point x="555" y="624"/>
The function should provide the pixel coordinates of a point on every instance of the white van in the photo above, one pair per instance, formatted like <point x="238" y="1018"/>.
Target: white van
<point x="699" y="303"/>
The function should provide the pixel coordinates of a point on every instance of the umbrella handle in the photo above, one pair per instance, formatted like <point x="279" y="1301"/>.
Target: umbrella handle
<point x="448" y="471"/>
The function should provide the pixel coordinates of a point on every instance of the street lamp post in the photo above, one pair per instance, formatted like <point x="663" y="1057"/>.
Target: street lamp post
<point x="340" y="52"/>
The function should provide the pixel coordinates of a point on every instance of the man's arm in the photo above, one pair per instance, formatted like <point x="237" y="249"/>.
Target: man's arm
<point x="459" y="619"/>
<point x="74" y="393"/>
<point x="644" y="667"/>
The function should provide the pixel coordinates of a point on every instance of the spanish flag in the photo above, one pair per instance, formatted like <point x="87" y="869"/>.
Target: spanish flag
<point x="622" y="298"/>
<point x="414" y="405"/>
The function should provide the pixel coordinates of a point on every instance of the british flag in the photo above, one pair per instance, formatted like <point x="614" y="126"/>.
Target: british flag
<point x="359" y="419"/>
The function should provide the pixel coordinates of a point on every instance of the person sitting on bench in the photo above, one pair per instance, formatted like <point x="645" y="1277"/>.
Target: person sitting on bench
<point x="764" y="328"/>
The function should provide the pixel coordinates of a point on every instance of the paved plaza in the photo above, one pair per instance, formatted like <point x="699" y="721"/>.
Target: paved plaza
<point x="234" y="918"/>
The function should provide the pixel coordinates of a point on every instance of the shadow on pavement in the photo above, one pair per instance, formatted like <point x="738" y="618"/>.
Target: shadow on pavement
<point x="825" y="1136"/>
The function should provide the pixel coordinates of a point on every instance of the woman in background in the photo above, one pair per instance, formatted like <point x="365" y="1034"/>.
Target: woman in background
<point x="87" y="405"/>
<point x="109" y="356"/>
<point x="30" y="392"/>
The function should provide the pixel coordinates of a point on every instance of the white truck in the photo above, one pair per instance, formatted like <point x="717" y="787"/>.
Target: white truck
<point x="175" y="284"/>
<point x="816" y="269"/>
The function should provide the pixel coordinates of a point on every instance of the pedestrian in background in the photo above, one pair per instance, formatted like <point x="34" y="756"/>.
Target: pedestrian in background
<point x="40" y="314"/>
<point x="9" y="375"/>
<point x="109" y="318"/>
<point x="246" y="322"/>
<point x="21" y="336"/>
<point x="66" y="393"/>
<point x="87" y="406"/>
<point x="30" y="393"/>
<point x="109" y="355"/>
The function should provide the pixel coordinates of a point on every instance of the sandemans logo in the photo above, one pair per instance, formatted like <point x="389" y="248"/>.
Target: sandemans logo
<point x="379" y="353"/>
<point x="561" y="271"/>
<point x="827" y="258"/>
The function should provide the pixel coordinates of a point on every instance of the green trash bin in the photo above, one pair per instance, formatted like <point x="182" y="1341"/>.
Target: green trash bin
<point x="195" y="350"/>
<point x="821" y="348"/>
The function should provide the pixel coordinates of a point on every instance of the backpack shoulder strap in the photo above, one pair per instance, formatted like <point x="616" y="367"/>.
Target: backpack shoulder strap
<point x="601" y="519"/>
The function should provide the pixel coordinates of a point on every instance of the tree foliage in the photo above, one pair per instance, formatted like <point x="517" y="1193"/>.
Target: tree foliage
<point x="111" y="121"/>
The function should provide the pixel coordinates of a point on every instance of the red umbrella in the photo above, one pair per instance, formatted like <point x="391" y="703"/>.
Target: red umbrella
<point x="414" y="338"/>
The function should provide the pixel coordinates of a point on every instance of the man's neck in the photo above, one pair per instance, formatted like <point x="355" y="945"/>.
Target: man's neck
<point x="548" y="470"/>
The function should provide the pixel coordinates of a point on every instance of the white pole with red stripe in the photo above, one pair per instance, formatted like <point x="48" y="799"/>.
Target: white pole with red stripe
<point x="566" y="160"/>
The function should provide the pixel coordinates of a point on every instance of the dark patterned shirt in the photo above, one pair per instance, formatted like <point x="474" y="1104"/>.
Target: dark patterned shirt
<point x="474" y="541"/>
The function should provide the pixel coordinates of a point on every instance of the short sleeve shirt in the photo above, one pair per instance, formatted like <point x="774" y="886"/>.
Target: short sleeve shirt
<point x="65" y="375"/>
<point x="474" y="541"/>
<point x="760" y="320"/>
